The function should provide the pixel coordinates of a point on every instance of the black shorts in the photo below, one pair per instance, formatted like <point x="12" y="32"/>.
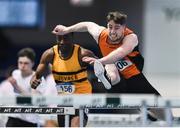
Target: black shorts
<point x="61" y="119"/>
<point x="139" y="84"/>
<point x="16" y="122"/>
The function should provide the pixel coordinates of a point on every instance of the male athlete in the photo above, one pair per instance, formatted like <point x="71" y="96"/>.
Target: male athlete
<point x="118" y="45"/>
<point x="69" y="72"/>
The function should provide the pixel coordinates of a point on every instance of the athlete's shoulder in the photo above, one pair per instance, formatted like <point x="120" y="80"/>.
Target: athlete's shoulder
<point x="128" y="31"/>
<point x="16" y="72"/>
<point x="49" y="52"/>
<point x="104" y="32"/>
<point x="47" y="56"/>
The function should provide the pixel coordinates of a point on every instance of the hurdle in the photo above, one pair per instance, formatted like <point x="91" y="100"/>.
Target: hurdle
<point x="94" y="101"/>
<point x="67" y="111"/>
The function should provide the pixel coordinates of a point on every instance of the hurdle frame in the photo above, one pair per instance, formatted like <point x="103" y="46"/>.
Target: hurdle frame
<point x="82" y="101"/>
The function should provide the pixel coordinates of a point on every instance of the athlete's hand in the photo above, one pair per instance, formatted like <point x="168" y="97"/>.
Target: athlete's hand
<point x="34" y="82"/>
<point x="89" y="60"/>
<point x="60" y="30"/>
<point x="14" y="84"/>
<point x="12" y="81"/>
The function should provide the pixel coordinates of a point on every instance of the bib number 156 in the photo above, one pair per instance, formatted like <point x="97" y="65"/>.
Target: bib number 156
<point x="65" y="88"/>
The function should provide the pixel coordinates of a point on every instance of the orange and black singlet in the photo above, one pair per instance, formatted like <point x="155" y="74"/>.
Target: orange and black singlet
<point x="126" y="66"/>
<point x="69" y="76"/>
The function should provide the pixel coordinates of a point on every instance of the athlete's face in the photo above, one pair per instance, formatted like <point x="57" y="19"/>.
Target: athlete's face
<point x="115" y="31"/>
<point x="25" y="64"/>
<point x="64" y="40"/>
<point x="65" y="44"/>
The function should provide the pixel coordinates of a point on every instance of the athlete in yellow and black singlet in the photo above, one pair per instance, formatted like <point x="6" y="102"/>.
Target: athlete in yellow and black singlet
<point x="69" y="72"/>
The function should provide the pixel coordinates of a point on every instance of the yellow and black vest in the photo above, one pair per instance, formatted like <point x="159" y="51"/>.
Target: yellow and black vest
<point x="70" y="70"/>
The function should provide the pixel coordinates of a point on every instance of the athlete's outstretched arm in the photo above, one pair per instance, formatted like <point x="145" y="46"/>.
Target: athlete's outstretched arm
<point x="91" y="27"/>
<point x="45" y="60"/>
<point x="129" y="43"/>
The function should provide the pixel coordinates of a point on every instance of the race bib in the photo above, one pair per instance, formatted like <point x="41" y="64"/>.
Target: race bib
<point x="65" y="88"/>
<point x="122" y="64"/>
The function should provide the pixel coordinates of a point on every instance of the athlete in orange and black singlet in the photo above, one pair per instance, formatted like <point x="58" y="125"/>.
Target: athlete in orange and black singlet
<point x="119" y="46"/>
<point x="130" y="67"/>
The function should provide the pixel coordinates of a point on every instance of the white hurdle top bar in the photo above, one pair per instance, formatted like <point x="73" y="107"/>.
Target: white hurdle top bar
<point x="38" y="110"/>
<point x="92" y="100"/>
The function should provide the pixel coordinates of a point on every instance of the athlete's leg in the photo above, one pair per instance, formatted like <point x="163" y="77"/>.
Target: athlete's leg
<point x="119" y="87"/>
<point x="113" y="73"/>
<point x="108" y="75"/>
<point x="100" y="73"/>
<point x="74" y="119"/>
<point x="16" y="122"/>
<point x="139" y="84"/>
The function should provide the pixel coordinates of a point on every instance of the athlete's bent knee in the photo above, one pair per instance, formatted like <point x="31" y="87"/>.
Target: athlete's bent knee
<point x="115" y="78"/>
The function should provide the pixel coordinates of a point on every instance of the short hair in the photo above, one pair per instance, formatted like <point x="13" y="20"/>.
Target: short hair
<point x="27" y="52"/>
<point x="117" y="17"/>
